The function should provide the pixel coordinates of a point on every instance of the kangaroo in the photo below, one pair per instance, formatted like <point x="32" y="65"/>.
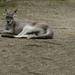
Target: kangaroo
<point x="29" y="30"/>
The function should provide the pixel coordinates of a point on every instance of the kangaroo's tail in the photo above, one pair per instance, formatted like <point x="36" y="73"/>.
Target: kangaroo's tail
<point x="49" y="33"/>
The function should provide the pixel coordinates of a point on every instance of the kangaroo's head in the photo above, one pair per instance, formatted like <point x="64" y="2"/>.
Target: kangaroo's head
<point x="9" y="19"/>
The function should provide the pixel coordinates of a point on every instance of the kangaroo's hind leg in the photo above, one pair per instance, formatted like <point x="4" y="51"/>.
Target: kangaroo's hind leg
<point x="25" y="30"/>
<point x="28" y="34"/>
<point x="20" y="35"/>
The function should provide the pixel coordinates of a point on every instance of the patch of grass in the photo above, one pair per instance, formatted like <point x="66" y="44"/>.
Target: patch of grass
<point x="43" y="0"/>
<point x="8" y="4"/>
<point x="2" y="0"/>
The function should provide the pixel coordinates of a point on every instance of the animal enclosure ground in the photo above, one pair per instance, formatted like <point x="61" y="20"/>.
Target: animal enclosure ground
<point x="39" y="56"/>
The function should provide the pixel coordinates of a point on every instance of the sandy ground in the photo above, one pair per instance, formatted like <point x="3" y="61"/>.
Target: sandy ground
<point x="38" y="56"/>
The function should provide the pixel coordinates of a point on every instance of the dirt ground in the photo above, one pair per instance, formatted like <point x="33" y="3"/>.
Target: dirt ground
<point x="38" y="56"/>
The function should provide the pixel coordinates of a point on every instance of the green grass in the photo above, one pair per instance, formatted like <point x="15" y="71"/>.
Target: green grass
<point x="2" y="0"/>
<point x="43" y="0"/>
<point x="8" y="3"/>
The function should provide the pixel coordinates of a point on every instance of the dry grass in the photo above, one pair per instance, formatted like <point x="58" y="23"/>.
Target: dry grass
<point x="8" y="4"/>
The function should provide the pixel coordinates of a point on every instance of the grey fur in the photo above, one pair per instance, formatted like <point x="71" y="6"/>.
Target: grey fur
<point x="30" y="30"/>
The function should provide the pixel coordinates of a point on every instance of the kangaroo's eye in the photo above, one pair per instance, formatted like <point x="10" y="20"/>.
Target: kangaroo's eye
<point x="8" y="17"/>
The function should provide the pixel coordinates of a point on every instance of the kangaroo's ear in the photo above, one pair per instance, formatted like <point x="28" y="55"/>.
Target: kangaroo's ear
<point x="6" y="10"/>
<point x="14" y="11"/>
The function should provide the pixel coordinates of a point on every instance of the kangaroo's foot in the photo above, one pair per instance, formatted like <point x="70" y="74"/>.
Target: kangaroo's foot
<point x="21" y="36"/>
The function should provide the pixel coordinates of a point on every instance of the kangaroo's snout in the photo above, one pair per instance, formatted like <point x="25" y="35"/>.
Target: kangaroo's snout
<point x="8" y="22"/>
